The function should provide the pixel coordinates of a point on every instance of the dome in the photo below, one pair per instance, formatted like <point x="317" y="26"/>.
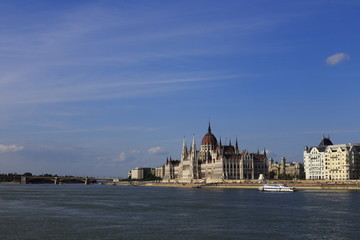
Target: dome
<point x="209" y="138"/>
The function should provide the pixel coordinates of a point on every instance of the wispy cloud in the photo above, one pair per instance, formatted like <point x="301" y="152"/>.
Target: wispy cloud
<point x="122" y="157"/>
<point x="10" y="148"/>
<point x="331" y="131"/>
<point x="271" y="154"/>
<point x="65" y="130"/>
<point x="48" y="62"/>
<point x="118" y="89"/>
<point x="337" y="58"/>
<point x="135" y="152"/>
<point x="157" y="150"/>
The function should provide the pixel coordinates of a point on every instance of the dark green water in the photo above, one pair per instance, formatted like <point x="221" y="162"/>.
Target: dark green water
<point x="119" y="212"/>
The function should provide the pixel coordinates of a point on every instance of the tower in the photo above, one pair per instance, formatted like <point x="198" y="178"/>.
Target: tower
<point x="283" y="165"/>
<point x="236" y="147"/>
<point x="184" y="151"/>
<point x="194" y="165"/>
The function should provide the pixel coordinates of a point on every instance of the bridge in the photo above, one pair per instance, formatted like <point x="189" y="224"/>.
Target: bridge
<point x="59" y="180"/>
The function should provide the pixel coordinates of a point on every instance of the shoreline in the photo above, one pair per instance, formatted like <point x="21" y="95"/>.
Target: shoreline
<point x="255" y="185"/>
<point x="9" y="182"/>
<point x="300" y="185"/>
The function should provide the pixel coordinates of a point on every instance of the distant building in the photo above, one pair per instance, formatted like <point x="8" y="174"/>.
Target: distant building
<point x="215" y="162"/>
<point x="314" y="160"/>
<point x="283" y="169"/>
<point x="137" y="173"/>
<point x="332" y="162"/>
<point x="171" y="169"/>
<point x="159" y="172"/>
<point x="141" y="173"/>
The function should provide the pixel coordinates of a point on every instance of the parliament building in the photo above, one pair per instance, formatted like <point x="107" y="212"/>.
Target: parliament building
<point x="214" y="162"/>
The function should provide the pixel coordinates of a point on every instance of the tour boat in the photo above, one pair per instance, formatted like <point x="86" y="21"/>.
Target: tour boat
<point x="276" y="188"/>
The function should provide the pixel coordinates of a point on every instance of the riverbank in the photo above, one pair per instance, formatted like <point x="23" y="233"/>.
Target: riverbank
<point x="9" y="182"/>
<point x="304" y="184"/>
<point x="311" y="185"/>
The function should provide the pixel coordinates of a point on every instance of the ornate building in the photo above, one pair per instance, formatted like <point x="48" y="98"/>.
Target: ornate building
<point x="314" y="158"/>
<point x="332" y="162"/>
<point x="284" y="169"/>
<point x="215" y="162"/>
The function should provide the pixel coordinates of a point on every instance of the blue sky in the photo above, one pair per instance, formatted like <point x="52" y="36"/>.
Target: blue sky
<point x="99" y="87"/>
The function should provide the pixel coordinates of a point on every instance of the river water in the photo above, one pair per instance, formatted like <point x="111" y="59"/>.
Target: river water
<point x="72" y="211"/>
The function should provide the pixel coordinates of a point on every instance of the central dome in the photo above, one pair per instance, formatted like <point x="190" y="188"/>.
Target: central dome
<point x="209" y="138"/>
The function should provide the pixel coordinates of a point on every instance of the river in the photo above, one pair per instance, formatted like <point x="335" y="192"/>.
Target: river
<point x="75" y="211"/>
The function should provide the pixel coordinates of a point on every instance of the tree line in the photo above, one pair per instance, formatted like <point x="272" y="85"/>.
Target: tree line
<point x="15" y="177"/>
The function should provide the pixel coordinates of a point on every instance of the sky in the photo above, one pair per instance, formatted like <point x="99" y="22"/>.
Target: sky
<point x="96" y="88"/>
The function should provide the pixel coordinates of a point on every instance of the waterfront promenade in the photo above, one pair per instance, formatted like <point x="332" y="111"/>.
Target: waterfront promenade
<point x="244" y="184"/>
<point x="299" y="184"/>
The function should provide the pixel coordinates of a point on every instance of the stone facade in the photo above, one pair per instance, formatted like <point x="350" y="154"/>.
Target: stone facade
<point x="214" y="162"/>
<point x="332" y="162"/>
<point x="159" y="171"/>
<point x="141" y="173"/>
<point x="294" y="169"/>
<point x="137" y="173"/>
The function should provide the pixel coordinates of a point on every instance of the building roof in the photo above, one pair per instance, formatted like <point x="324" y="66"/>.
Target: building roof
<point x="322" y="145"/>
<point x="209" y="138"/>
<point x="325" y="142"/>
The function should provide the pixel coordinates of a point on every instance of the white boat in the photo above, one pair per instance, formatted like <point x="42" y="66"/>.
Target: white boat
<point x="276" y="188"/>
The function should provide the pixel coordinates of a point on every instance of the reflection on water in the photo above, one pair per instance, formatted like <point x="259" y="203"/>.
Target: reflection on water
<point x="120" y="212"/>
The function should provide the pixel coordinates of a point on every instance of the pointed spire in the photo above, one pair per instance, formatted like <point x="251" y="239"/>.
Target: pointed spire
<point x="236" y="145"/>
<point x="230" y="142"/>
<point x="220" y="142"/>
<point x="184" y="151"/>
<point x="184" y="147"/>
<point x="209" y="128"/>
<point x="193" y="145"/>
<point x="265" y="152"/>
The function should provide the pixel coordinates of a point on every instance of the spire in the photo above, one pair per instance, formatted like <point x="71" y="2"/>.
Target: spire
<point x="193" y="145"/>
<point x="265" y="152"/>
<point x="184" y="150"/>
<point x="209" y="128"/>
<point x="236" y="145"/>
<point x="230" y="142"/>
<point x="220" y="142"/>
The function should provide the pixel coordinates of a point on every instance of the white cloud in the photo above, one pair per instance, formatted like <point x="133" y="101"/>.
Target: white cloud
<point x="337" y="58"/>
<point x="122" y="157"/>
<point x="102" y="159"/>
<point x="43" y="78"/>
<point x="156" y="150"/>
<point x="10" y="148"/>
<point x="270" y="153"/>
<point x="135" y="152"/>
